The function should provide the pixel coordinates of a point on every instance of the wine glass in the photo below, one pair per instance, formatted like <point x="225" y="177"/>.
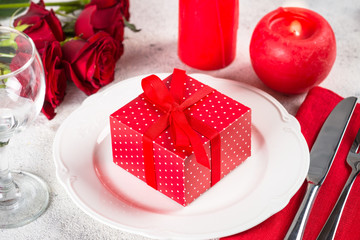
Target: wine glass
<point x="23" y="196"/>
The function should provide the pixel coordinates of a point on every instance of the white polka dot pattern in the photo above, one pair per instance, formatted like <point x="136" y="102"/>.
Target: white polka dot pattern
<point x="178" y="174"/>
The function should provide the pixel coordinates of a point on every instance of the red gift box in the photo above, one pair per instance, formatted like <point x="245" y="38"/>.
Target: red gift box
<point x="180" y="136"/>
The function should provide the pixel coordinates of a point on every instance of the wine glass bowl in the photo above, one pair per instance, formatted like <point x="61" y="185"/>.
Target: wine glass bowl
<point x="23" y="196"/>
<point x="22" y="88"/>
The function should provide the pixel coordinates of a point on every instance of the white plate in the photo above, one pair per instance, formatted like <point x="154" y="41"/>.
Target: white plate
<point x="254" y="191"/>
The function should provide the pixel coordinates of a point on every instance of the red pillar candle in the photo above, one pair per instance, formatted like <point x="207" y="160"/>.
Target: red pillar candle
<point x="207" y="32"/>
<point x="292" y="49"/>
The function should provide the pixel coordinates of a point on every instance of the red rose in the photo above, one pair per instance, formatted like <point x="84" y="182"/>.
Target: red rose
<point x="44" y="25"/>
<point x="90" y="64"/>
<point x="55" y="78"/>
<point x="124" y="5"/>
<point x="103" y="16"/>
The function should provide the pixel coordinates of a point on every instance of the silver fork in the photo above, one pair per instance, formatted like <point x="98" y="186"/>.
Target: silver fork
<point x="353" y="159"/>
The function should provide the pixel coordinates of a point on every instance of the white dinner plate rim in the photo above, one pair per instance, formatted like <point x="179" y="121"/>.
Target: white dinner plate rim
<point x="281" y="203"/>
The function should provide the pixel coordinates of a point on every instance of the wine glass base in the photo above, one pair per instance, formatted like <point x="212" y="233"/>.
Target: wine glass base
<point x="32" y="202"/>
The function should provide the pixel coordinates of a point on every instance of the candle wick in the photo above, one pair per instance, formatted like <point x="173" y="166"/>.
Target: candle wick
<point x="295" y="27"/>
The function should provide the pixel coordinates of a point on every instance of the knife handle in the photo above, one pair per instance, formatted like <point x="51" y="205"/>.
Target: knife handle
<point x="297" y="227"/>
<point x="329" y="229"/>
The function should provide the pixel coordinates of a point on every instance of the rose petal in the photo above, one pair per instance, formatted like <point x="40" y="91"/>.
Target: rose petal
<point x="40" y="34"/>
<point x="72" y="49"/>
<point x="55" y="25"/>
<point x="83" y="25"/>
<point x="55" y="78"/>
<point x="104" y="18"/>
<point x="88" y="90"/>
<point x="104" y="3"/>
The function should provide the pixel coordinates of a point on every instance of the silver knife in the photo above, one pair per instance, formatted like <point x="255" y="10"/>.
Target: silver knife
<point x="321" y="157"/>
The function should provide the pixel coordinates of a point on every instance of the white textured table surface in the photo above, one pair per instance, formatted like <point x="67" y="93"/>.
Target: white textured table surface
<point x="153" y="50"/>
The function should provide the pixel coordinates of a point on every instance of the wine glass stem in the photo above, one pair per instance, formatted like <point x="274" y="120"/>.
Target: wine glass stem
<point x="9" y="192"/>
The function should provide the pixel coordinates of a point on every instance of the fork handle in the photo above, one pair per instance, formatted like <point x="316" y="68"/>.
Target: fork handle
<point x="329" y="230"/>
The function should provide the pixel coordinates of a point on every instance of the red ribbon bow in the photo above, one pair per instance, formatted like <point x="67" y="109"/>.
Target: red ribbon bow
<point x="183" y="127"/>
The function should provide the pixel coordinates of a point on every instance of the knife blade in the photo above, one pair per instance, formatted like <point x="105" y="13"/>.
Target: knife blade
<point x="321" y="157"/>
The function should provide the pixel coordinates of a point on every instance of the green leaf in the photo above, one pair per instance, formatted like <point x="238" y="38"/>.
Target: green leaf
<point x="6" y="13"/>
<point x="68" y="28"/>
<point x="4" y="69"/>
<point x="131" y="26"/>
<point x="21" y="27"/>
<point x="68" y="9"/>
<point x="68" y="39"/>
<point x="84" y="2"/>
<point x="3" y="144"/>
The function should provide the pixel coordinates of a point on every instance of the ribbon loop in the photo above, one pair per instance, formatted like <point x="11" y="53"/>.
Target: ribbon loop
<point x="157" y="93"/>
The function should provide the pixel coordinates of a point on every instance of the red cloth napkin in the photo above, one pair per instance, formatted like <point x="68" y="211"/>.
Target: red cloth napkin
<point x="311" y="115"/>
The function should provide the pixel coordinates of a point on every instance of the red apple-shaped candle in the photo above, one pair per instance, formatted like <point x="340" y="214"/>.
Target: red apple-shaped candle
<point x="292" y="49"/>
